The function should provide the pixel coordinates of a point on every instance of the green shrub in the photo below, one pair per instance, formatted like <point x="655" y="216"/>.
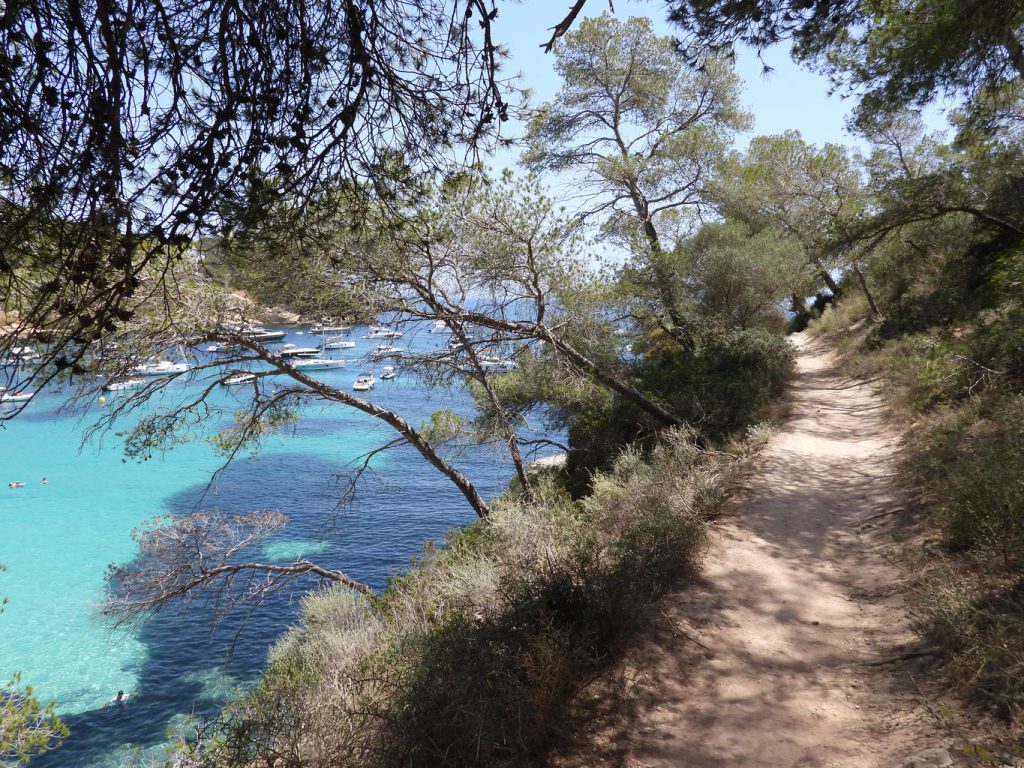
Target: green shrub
<point x="720" y="388"/>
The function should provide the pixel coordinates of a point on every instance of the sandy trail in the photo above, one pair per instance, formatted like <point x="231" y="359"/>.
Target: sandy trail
<point x="797" y="599"/>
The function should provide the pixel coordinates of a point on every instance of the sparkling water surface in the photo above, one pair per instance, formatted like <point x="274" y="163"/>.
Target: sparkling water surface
<point x="58" y="538"/>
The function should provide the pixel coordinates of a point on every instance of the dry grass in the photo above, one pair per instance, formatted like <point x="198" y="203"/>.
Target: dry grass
<point x="475" y="655"/>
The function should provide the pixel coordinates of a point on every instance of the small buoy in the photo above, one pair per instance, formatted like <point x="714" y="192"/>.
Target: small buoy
<point x="103" y="400"/>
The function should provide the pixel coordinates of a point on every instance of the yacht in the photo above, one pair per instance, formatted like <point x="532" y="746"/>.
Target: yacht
<point x="238" y="378"/>
<point x="439" y="326"/>
<point x="491" y="363"/>
<point x="322" y="328"/>
<point x="223" y="349"/>
<point x="24" y="354"/>
<point x="17" y="397"/>
<point x="337" y="342"/>
<point x="293" y="350"/>
<point x="263" y="336"/>
<point x="364" y="382"/>
<point x="388" y="373"/>
<point x="382" y="332"/>
<point x="385" y="350"/>
<point x="162" y="368"/>
<point x="121" y="385"/>
<point x="316" y="364"/>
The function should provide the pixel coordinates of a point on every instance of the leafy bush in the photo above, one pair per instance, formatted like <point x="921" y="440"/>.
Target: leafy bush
<point x="720" y="388"/>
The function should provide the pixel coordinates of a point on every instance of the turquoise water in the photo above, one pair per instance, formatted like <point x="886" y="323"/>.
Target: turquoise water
<point x="58" y="538"/>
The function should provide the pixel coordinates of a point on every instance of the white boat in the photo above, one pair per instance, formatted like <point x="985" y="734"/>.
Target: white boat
<point x="382" y="332"/>
<point x="293" y="350"/>
<point x="24" y="353"/>
<point x="223" y="349"/>
<point x="337" y="342"/>
<point x="385" y="350"/>
<point x="120" y="385"/>
<point x="388" y="372"/>
<point x="264" y="336"/>
<point x="19" y="397"/>
<point x="439" y="326"/>
<point x="491" y="363"/>
<point x="364" y="382"/>
<point x="316" y="364"/>
<point x="161" y="368"/>
<point x="322" y="328"/>
<point x="237" y="379"/>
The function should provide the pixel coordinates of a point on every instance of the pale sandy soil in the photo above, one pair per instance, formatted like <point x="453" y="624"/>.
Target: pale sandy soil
<point x="772" y="660"/>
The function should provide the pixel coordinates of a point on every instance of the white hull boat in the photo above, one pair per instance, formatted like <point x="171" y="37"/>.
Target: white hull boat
<point x="382" y="332"/>
<point x="320" y="328"/>
<point x="338" y="343"/>
<point x="316" y="364"/>
<point x="364" y="382"/>
<point x="21" y="397"/>
<point x="388" y="372"/>
<point x="291" y="350"/>
<point x="385" y="350"/>
<point x="123" y="385"/>
<point x="238" y="379"/>
<point x="163" y="368"/>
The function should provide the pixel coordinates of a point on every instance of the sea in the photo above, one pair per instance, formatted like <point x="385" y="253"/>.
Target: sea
<point x="58" y="538"/>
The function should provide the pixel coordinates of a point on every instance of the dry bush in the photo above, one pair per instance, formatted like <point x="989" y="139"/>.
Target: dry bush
<point x="473" y="656"/>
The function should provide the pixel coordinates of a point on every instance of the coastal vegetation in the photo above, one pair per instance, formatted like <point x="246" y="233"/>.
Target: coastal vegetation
<point x="158" y="161"/>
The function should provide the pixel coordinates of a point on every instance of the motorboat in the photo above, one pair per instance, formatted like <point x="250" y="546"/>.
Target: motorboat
<point x="16" y="397"/>
<point x="389" y="372"/>
<point x="223" y="349"/>
<point x="364" y="382"/>
<point x="161" y="368"/>
<point x="491" y="363"/>
<point x="337" y="342"/>
<point x="385" y="350"/>
<point x="382" y="332"/>
<point x="122" y="385"/>
<point x="263" y="336"/>
<point x="293" y="350"/>
<point x="322" y="328"/>
<point x="237" y="379"/>
<point x="24" y="354"/>
<point x="316" y="364"/>
<point x="439" y="326"/>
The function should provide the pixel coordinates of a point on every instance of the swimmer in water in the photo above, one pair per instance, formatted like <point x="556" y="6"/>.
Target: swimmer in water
<point x="121" y="698"/>
<point x="45" y="481"/>
<point x="15" y="485"/>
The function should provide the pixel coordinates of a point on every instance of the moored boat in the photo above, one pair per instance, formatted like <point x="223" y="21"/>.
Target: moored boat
<point x="121" y="385"/>
<point x="160" y="368"/>
<point x="385" y="350"/>
<point x="382" y="332"/>
<point x="293" y="350"/>
<point x="388" y="372"/>
<point x="326" y="327"/>
<point x="316" y="364"/>
<point x="364" y="382"/>
<point x="238" y="379"/>
<point x="16" y="397"/>
<point x="337" y="342"/>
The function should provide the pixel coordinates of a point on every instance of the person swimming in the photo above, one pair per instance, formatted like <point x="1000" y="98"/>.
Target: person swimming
<point x="121" y="698"/>
<point x="16" y="484"/>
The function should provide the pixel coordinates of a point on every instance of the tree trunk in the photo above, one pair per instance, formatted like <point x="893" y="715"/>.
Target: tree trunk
<point x="400" y="425"/>
<point x="867" y="292"/>
<point x="1014" y="49"/>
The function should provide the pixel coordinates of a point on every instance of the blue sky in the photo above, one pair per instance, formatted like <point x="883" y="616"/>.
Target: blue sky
<point x="790" y="97"/>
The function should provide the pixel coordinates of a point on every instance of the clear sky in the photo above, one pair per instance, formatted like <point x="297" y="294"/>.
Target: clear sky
<point x="790" y="97"/>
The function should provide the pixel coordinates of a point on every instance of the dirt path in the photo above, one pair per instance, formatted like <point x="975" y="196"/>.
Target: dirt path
<point x="769" y="661"/>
